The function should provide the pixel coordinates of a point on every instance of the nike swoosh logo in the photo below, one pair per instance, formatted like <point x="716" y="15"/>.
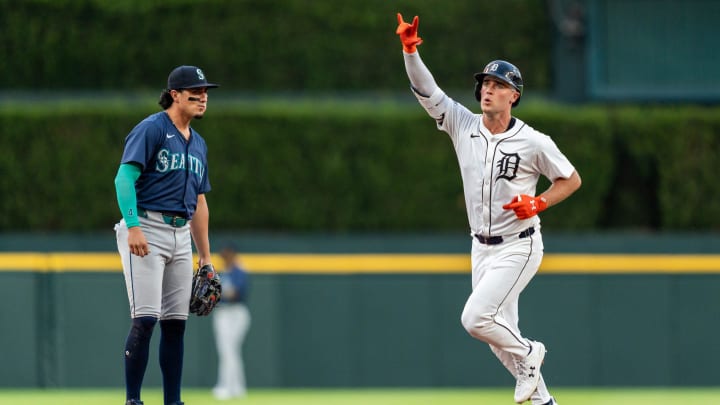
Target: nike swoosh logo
<point x="168" y="136"/>
<point x="474" y="136"/>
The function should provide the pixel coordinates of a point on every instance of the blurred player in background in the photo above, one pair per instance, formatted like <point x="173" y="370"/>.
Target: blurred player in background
<point x="231" y="321"/>
<point x="161" y="186"/>
<point x="501" y="159"/>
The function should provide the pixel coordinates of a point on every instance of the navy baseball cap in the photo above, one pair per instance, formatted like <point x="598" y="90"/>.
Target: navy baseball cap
<point x="188" y="77"/>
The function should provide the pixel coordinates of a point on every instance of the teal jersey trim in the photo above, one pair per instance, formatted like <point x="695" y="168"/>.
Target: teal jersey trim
<point x="125" y="179"/>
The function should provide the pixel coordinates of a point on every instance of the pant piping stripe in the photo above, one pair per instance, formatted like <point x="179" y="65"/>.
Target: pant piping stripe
<point x="524" y="343"/>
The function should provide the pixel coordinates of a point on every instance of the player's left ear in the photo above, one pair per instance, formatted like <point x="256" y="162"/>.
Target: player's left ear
<point x="517" y="96"/>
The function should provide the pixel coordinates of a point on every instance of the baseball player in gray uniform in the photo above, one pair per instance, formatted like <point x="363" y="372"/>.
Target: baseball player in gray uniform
<point x="501" y="159"/>
<point x="161" y="186"/>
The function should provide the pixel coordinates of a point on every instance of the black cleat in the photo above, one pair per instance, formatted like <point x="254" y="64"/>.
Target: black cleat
<point x="134" y="402"/>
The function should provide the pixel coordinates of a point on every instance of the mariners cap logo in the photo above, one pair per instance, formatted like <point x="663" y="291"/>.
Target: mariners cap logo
<point x="200" y="74"/>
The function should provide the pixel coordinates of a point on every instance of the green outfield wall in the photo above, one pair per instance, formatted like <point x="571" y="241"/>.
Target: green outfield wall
<point x="348" y="311"/>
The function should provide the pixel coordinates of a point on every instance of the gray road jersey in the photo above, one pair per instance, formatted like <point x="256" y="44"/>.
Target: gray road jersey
<point x="495" y="168"/>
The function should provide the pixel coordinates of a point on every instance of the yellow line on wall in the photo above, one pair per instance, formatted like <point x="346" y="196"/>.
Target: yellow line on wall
<point x="625" y="263"/>
<point x="382" y="263"/>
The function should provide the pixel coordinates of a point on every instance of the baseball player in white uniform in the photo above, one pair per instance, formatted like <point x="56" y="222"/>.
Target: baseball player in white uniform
<point x="501" y="159"/>
<point x="231" y="322"/>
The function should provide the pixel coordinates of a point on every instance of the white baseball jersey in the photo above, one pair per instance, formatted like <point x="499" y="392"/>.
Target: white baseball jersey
<point x="496" y="168"/>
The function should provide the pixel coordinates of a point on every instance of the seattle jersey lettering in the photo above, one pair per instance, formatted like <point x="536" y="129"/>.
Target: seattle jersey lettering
<point x="176" y="161"/>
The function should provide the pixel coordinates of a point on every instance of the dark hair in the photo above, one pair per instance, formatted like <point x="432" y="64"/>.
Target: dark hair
<point x="166" y="99"/>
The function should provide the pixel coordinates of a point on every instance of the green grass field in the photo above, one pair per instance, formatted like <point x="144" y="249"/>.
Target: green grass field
<point x="565" y="396"/>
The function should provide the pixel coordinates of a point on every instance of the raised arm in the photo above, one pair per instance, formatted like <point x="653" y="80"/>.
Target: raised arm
<point x="420" y="77"/>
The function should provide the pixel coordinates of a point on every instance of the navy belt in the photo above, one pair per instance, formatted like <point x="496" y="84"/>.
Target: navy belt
<point x="173" y="220"/>
<point x="496" y="240"/>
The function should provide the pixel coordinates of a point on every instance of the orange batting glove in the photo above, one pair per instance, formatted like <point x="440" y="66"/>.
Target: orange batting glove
<point x="408" y="34"/>
<point x="526" y="206"/>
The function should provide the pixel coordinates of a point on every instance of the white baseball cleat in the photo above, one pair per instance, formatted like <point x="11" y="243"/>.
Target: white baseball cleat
<point x="528" y="372"/>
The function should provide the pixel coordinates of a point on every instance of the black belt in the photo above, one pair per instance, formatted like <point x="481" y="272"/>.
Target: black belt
<point x="171" y="219"/>
<point x="496" y="240"/>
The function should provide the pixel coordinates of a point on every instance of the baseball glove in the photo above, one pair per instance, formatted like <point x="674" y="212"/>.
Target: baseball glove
<point x="206" y="290"/>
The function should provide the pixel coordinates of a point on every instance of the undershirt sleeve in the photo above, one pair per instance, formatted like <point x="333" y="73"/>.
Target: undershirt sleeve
<point x="421" y="80"/>
<point x="125" y="179"/>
